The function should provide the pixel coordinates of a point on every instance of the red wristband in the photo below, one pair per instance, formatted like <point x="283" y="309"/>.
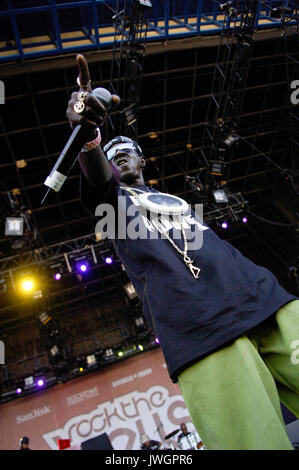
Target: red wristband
<point x="94" y="143"/>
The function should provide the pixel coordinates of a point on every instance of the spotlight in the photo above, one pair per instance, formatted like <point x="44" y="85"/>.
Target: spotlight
<point x="144" y="3"/>
<point x="54" y="351"/>
<point x="139" y="322"/>
<point x="130" y="115"/>
<point x="109" y="354"/>
<point x="220" y="196"/>
<point x="217" y="168"/>
<point x="140" y="347"/>
<point x="40" y="383"/>
<point x="224" y="225"/>
<point x="14" y="226"/>
<point x="19" y="390"/>
<point x="120" y="353"/>
<point x="91" y="360"/>
<point x="231" y="140"/>
<point x="44" y="318"/>
<point x="27" y="285"/>
<point x="157" y="341"/>
<point x="57" y="276"/>
<point x="108" y="260"/>
<point x="28" y="381"/>
<point x="130" y="290"/>
<point x="244" y="220"/>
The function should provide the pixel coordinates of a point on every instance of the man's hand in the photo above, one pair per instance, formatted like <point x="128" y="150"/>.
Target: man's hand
<point x="94" y="113"/>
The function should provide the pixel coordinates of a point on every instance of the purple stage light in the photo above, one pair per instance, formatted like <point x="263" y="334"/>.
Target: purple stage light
<point x="40" y="383"/>
<point x="244" y="220"/>
<point x="57" y="276"/>
<point x="83" y="268"/>
<point x="224" y="225"/>
<point x="157" y="341"/>
<point x="19" y="390"/>
<point x="108" y="260"/>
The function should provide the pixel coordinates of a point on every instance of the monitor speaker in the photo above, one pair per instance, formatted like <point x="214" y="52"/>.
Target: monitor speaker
<point x="101" y="442"/>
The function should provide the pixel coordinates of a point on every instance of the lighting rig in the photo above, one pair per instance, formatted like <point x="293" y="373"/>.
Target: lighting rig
<point x="221" y="135"/>
<point x="229" y="83"/>
<point x="128" y="53"/>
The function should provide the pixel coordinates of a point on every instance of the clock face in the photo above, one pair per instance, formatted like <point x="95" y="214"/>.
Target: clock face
<point x="163" y="203"/>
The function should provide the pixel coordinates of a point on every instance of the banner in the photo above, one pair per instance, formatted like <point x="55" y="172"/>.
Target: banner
<point x="124" y="400"/>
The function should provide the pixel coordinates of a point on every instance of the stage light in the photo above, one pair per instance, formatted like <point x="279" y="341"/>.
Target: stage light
<point x="139" y="322"/>
<point x="120" y="353"/>
<point x="44" y="318"/>
<point x="217" y="168"/>
<point x="81" y="369"/>
<point x="231" y="140"/>
<point x="14" y="226"/>
<point x="57" y="276"/>
<point x="28" y="381"/>
<point x="157" y="341"/>
<point x="108" y="260"/>
<point x="109" y="354"/>
<point x="40" y="383"/>
<point x="19" y="390"/>
<point x="130" y="290"/>
<point x="244" y="220"/>
<point x="27" y="285"/>
<point x="130" y="115"/>
<point x="83" y="268"/>
<point x="144" y="3"/>
<point x="140" y="347"/>
<point x="220" y="196"/>
<point x="54" y="351"/>
<point x="224" y="225"/>
<point x="91" y="360"/>
<point x="37" y="294"/>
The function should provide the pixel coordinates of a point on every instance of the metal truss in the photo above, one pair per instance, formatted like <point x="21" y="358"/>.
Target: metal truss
<point x="90" y="25"/>
<point x="230" y="82"/>
<point x="131" y="25"/>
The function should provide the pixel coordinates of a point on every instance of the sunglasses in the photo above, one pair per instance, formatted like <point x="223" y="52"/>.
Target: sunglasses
<point x="127" y="147"/>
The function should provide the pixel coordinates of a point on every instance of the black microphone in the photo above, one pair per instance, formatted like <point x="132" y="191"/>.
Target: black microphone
<point x="73" y="147"/>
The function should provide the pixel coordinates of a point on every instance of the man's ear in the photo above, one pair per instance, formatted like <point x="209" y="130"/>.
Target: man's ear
<point x="142" y="162"/>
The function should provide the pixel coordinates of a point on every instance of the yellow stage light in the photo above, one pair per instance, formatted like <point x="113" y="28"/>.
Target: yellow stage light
<point x="27" y="285"/>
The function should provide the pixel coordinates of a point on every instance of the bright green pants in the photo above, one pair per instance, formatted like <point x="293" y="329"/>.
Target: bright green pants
<point x="233" y="395"/>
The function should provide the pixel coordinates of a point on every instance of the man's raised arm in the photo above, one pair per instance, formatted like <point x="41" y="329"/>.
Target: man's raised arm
<point x="93" y="162"/>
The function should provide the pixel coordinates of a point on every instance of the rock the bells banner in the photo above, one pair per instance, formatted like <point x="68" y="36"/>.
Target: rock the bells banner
<point x="125" y="400"/>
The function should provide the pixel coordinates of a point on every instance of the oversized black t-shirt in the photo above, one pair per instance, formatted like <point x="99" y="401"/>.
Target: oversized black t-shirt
<point x="191" y="317"/>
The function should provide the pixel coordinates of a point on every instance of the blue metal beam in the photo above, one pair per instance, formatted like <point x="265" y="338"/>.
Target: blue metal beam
<point x="93" y="26"/>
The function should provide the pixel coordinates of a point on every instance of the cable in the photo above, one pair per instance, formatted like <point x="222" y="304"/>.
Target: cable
<point x="269" y="221"/>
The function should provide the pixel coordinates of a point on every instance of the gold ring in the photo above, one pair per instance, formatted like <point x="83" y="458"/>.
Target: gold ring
<point x="79" y="107"/>
<point x="82" y="86"/>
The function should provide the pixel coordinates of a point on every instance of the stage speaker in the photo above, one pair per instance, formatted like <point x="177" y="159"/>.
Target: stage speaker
<point x="101" y="442"/>
<point x="293" y="433"/>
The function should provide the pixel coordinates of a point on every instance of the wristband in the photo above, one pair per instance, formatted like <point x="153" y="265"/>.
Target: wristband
<point x="94" y="143"/>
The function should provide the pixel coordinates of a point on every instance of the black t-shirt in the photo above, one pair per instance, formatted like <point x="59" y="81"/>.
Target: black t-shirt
<point x="191" y="317"/>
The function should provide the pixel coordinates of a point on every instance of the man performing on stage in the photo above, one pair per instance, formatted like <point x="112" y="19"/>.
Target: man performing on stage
<point x="226" y="327"/>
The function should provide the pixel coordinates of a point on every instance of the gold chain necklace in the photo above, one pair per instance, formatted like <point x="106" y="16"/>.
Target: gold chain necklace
<point x="187" y="260"/>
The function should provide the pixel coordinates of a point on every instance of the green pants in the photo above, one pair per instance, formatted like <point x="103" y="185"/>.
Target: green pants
<point x="233" y="395"/>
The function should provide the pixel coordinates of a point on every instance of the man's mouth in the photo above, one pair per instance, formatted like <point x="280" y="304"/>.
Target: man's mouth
<point x="122" y="161"/>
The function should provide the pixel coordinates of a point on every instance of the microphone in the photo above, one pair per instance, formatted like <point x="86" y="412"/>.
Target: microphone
<point x="72" y="149"/>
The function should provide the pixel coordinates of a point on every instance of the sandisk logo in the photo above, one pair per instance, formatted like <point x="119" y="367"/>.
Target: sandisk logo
<point x="33" y="414"/>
